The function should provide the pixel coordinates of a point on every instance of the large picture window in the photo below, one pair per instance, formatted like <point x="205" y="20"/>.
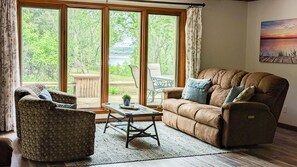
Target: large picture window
<point x="40" y="46"/>
<point x="100" y="52"/>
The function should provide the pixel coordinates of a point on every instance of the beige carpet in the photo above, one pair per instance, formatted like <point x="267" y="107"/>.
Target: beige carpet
<point x="110" y="147"/>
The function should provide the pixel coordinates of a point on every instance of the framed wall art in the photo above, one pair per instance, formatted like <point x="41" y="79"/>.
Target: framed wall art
<point x="279" y="41"/>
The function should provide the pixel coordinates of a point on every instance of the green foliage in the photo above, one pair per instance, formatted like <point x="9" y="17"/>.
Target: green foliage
<point x="126" y="96"/>
<point x="41" y="43"/>
<point x="84" y="41"/>
<point x="122" y="70"/>
<point x="162" y="42"/>
<point x="113" y="91"/>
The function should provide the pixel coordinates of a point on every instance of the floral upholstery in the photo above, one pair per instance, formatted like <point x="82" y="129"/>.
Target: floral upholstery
<point x="49" y="133"/>
<point x="20" y="92"/>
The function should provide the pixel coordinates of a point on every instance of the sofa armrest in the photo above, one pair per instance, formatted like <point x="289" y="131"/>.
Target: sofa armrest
<point x="245" y="104"/>
<point x="62" y="97"/>
<point x="247" y="123"/>
<point x="175" y="93"/>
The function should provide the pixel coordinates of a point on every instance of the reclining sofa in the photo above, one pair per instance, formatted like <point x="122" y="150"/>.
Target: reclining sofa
<point x="232" y="124"/>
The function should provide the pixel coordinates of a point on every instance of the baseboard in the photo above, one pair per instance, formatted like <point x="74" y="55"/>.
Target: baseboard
<point x="286" y="126"/>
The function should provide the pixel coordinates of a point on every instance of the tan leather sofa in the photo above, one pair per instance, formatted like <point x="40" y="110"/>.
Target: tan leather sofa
<point x="233" y="124"/>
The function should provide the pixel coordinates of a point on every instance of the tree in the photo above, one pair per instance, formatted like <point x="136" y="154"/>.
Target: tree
<point x="41" y="41"/>
<point x="40" y="44"/>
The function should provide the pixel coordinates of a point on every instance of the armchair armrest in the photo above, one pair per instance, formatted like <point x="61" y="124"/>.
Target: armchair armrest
<point x="173" y="92"/>
<point x="247" y="123"/>
<point x="62" y="97"/>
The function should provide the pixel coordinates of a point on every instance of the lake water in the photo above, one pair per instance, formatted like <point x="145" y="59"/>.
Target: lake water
<point x="278" y="47"/>
<point x="118" y="59"/>
<point x="120" y="54"/>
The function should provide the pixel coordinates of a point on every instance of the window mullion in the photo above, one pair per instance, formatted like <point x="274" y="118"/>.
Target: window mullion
<point x="63" y="49"/>
<point x="143" y="57"/>
<point x="105" y="53"/>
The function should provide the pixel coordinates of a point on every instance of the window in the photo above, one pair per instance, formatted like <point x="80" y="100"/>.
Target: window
<point x="99" y="52"/>
<point x="162" y="51"/>
<point x="40" y="46"/>
<point x="84" y="56"/>
<point x="124" y="55"/>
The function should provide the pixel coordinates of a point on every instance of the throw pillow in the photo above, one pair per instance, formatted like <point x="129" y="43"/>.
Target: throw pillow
<point x="233" y="93"/>
<point x="197" y="90"/>
<point x="246" y="94"/>
<point x="66" y="105"/>
<point x="44" y="94"/>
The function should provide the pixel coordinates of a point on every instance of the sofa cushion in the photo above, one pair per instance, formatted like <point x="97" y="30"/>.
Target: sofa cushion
<point x="196" y="90"/>
<point x="173" y="105"/>
<point x="210" y="116"/>
<point x="208" y="134"/>
<point x="246" y="94"/>
<point x="189" y="110"/>
<point x="233" y="93"/>
<point x="218" y="96"/>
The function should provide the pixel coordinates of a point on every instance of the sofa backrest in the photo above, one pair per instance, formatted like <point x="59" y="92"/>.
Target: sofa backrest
<point x="270" y="89"/>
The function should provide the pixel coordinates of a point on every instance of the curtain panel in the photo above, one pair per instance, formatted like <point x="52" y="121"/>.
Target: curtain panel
<point x="9" y="64"/>
<point x="193" y="41"/>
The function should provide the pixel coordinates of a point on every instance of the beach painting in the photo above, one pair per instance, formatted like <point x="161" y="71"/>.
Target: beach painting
<point x="279" y="41"/>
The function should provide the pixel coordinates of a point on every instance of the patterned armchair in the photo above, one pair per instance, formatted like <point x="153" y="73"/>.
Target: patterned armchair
<point x="49" y="133"/>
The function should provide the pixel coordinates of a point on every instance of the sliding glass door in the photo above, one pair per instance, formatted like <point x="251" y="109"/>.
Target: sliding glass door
<point x="124" y="55"/>
<point x="162" y="55"/>
<point x="84" y="56"/>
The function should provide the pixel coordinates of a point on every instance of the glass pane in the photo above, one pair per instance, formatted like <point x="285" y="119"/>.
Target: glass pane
<point x="162" y="51"/>
<point x="124" y="55"/>
<point x="40" y="47"/>
<point x="84" y="56"/>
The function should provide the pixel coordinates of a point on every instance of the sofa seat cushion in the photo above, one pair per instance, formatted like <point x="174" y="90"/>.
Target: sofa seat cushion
<point x="210" y="116"/>
<point x="173" y="105"/>
<point x="189" y="110"/>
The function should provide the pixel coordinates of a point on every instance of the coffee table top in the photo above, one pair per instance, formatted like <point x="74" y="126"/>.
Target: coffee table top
<point x="142" y="111"/>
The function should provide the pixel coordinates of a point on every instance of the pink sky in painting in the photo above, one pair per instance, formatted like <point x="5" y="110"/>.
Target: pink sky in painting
<point x="279" y="29"/>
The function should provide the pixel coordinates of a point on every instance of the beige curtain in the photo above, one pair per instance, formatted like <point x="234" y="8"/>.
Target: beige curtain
<point x="193" y="41"/>
<point x="9" y="64"/>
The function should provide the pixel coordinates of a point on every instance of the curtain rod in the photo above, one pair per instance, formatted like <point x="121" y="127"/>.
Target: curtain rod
<point x="171" y="3"/>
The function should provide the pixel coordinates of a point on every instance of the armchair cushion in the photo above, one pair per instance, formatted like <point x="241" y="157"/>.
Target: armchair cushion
<point x="44" y="94"/>
<point x="66" y="105"/>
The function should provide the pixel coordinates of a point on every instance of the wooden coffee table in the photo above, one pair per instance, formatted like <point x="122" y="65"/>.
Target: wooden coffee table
<point x="125" y="123"/>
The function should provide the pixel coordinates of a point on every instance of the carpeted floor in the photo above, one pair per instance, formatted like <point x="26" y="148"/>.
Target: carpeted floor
<point x="110" y="147"/>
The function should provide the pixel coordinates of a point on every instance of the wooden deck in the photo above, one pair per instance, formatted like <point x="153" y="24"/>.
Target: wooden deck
<point x="279" y="59"/>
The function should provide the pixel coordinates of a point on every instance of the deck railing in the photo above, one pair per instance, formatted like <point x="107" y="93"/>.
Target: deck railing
<point x="84" y="85"/>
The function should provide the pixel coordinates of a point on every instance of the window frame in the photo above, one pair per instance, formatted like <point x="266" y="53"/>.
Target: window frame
<point x="105" y="8"/>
